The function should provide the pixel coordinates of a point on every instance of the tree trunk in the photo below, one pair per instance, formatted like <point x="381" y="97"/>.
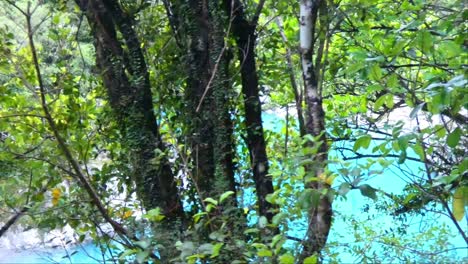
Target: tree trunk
<point x="200" y="123"/>
<point x="244" y="32"/>
<point x="207" y="95"/>
<point x="222" y="92"/>
<point x="319" y="222"/>
<point x="125" y="76"/>
<point x="296" y="90"/>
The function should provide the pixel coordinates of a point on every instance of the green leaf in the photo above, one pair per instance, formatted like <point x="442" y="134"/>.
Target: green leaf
<point x="415" y="110"/>
<point x="448" y="179"/>
<point x="210" y="207"/>
<point x="440" y="131"/>
<point x="127" y="252"/>
<point x="417" y="148"/>
<point x="205" y="249"/>
<point x="225" y="195"/>
<point x="402" y="157"/>
<point x="463" y="165"/>
<point x="355" y="67"/>
<point x="216" y="249"/>
<point x="286" y="259"/>
<point x="277" y="239"/>
<point x="368" y="191"/>
<point x="56" y="19"/>
<point x="403" y="142"/>
<point x="381" y="101"/>
<point x="211" y="201"/>
<point x="264" y="253"/>
<point x="378" y="59"/>
<point x="424" y="41"/>
<point x="218" y="236"/>
<point x="309" y="198"/>
<point x="197" y="216"/>
<point x="311" y="260"/>
<point x="271" y="198"/>
<point x="459" y="201"/>
<point x="450" y="49"/>
<point x="154" y="215"/>
<point x="362" y="142"/>
<point x="389" y="100"/>
<point x="375" y="72"/>
<point x="454" y="137"/>
<point x="277" y="218"/>
<point x="392" y="81"/>
<point x="251" y="231"/>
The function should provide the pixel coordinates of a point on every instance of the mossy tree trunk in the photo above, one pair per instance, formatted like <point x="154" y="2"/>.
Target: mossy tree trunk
<point x="125" y="76"/>
<point x="207" y="96"/>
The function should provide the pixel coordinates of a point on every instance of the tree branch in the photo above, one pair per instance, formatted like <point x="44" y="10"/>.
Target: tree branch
<point x="61" y="142"/>
<point x="360" y="156"/>
<point x="258" y="11"/>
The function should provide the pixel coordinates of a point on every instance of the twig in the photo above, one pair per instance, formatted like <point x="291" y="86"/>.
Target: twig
<point x="258" y="11"/>
<point x="12" y="220"/>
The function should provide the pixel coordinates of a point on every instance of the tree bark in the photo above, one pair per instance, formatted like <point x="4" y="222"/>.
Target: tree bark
<point x="296" y="90"/>
<point x="245" y="33"/>
<point x="222" y="92"/>
<point x="200" y="123"/>
<point x="126" y="78"/>
<point x="320" y="214"/>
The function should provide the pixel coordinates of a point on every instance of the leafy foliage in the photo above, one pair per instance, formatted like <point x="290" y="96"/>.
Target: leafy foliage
<point x="393" y="84"/>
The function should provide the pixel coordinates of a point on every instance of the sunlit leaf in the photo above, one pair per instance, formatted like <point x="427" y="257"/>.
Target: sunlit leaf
<point x="459" y="202"/>
<point x="375" y="72"/>
<point x="216" y="250"/>
<point x="286" y="259"/>
<point x="211" y="201"/>
<point x="362" y="142"/>
<point x="311" y="260"/>
<point x="264" y="253"/>
<point x="225" y="195"/>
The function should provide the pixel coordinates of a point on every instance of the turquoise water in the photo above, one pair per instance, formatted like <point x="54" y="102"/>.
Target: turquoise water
<point x="391" y="181"/>
<point x="86" y="253"/>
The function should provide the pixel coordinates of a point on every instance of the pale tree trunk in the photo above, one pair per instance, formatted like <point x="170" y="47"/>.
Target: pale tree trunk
<point x="319" y="215"/>
<point x="298" y="94"/>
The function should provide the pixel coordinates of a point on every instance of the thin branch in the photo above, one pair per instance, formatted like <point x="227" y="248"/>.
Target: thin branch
<point x="441" y="198"/>
<point x="22" y="115"/>
<point x="12" y="220"/>
<point x="412" y="65"/>
<point x="23" y="210"/>
<point x="16" y="7"/>
<point x="61" y="142"/>
<point x="360" y="156"/>
<point x="258" y="11"/>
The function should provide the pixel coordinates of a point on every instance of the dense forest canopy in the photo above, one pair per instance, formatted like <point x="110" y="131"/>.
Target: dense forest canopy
<point x="238" y="131"/>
